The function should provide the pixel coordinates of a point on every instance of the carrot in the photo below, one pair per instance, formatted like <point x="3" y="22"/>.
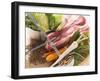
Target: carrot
<point x="51" y="56"/>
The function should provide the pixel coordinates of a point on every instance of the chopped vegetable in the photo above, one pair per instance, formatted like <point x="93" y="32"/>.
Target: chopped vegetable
<point x="51" y="57"/>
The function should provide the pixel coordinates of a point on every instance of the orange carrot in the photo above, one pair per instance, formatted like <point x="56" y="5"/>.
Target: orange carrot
<point x="51" y="56"/>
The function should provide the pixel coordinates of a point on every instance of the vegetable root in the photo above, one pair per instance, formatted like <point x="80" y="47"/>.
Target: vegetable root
<point x="51" y="57"/>
<point x="73" y="46"/>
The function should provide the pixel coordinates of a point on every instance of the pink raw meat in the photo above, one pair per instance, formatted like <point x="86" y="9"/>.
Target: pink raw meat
<point x="74" y="23"/>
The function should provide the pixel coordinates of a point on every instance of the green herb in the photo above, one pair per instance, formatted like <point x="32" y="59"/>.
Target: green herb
<point x="47" y="21"/>
<point x="51" y="21"/>
<point x="58" y="19"/>
<point x="74" y="37"/>
<point x="42" y="20"/>
<point x="29" y="23"/>
<point x="83" y="50"/>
